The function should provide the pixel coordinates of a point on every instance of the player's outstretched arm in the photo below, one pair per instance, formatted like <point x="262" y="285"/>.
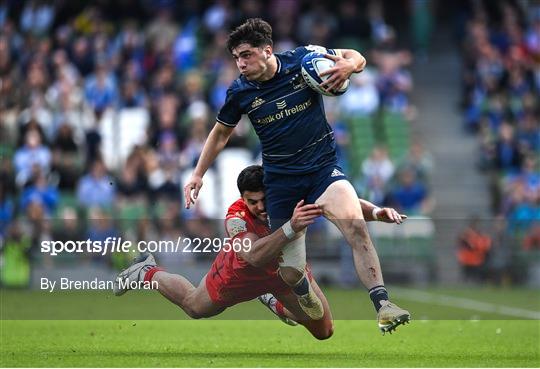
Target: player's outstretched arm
<point x="373" y="212"/>
<point x="268" y="248"/>
<point x="216" y="141"/>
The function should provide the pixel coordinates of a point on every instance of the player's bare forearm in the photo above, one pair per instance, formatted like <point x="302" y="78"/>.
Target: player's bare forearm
<point x="372" y="212"/>
<point x="265" y="249"/>
<point x="367" y="209"/>
<point x="216" y="141"/>
<point x="355" y="58"/>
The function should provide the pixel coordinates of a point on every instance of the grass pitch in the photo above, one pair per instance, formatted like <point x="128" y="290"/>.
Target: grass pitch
<point x="266" y="344"/>
<point x="228" y="341"/>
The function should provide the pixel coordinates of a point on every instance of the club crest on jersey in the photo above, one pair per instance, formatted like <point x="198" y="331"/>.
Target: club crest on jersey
<point x="257" y="102"/>
<point x="298" y="82"/>
<point x="281" y="104"/>
<point x="236" y="226"/>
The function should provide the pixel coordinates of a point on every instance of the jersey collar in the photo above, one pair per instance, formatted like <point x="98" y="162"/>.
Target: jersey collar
<point x="278" y="71"/>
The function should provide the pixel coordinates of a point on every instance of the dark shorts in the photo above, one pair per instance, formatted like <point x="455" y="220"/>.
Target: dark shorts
<point x="284" y="191"/>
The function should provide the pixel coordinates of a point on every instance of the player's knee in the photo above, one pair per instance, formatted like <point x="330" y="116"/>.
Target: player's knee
<point x="191" y="307"/>
<point x="195" y="313"/>
<point x="325" y="333"/>
<point x="357" y="228"/>
<point x="291" y="276"/>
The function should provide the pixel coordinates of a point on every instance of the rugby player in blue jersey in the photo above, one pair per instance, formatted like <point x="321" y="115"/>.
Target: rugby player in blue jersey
<point x="299" y="157"/>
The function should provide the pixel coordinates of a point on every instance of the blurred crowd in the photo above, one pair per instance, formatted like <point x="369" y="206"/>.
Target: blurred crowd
<point x="501" y="106"/>
<point x="105" y="106"/>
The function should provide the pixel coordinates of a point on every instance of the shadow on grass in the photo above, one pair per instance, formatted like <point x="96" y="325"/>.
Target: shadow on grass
<point x="179" y="358"/>
<point x="382" y="357"/>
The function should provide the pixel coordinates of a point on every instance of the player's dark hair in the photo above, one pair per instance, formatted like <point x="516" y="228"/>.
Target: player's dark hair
<point x="251" y="179"/>
<point x="254" y="31"/>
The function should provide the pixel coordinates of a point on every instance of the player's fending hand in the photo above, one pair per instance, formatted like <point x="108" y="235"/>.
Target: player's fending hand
<point x="338" y="74"/>
<point x="390" y="215"/>
<point x="304" y="215"/>
<point x="194" y="184"/>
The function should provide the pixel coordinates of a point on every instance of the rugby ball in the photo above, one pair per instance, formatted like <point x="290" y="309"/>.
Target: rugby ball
<point x="314" y="64"/>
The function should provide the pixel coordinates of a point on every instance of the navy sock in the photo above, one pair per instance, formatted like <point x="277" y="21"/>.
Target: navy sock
<point x="302" y="287"/>
<point x="377" y="294"/>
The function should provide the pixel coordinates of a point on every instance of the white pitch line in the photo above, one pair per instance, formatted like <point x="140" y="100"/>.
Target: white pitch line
<point x="464" y="303"/>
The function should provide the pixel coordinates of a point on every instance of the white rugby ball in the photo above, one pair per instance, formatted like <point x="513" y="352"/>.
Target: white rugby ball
<point x="313" y="64"/>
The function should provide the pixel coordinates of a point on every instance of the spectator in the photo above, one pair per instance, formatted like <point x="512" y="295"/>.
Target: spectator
<point x="194" y="145"/>
<point x="473" y="251"/>
<point x="132" y="96"/>
<point x="162" y="30"/>
<point x="32" y="153"/>
<point x="362" y="98"/>
<point x="162" y="182"/>
<point x="217" y="15"/>
<point x="37" y="17"/>
<point x="101" y="89"/>
<point x="100" y="228"/>
<point x="166" y="121"/>
<point x="393" y="83"/>
<point x="15" y="271"/>
<point x="66" y="158"/>
<point x="420" y="160"/>
<point x="508" y="157"/>
<point x="130" y="185"/>
<point x="378" y="165"/>
<point x="409" y="195"/>
<point x="81" y="56"/>
<point x="528" y="135"/>
<point x="93" y="139"/>
<point x="531" y="241"/>
<point x="96" y="189"/>
<point x="6" y="211"/>
<point x="40" y="192"/>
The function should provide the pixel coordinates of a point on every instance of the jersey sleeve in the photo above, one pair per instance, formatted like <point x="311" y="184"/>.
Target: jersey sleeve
<point x="235" y="226"/>
<point x="230" y="112"/>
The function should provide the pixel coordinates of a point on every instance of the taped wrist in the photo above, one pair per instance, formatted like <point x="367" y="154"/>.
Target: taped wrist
<point x="288" y="230"/>
<point x="374" y="212"/>
<point x="294" y="253"/>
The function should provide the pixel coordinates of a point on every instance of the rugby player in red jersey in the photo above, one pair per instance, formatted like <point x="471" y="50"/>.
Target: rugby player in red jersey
<point x="250" y="272"/>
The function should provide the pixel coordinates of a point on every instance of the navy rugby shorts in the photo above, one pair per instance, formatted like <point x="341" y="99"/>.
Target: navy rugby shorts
<point x="283" y="191"/>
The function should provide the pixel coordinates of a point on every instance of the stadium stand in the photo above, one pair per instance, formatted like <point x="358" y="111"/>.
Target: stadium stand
<point x="105" y="109"/>
<point x="501" y="106"/>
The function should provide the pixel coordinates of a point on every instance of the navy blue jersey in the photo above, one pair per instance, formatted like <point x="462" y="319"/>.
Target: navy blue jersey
<point x="287" y="115"/>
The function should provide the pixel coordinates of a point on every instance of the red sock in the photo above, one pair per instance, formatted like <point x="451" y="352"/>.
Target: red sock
<point x="280" y="308"/>
<point x="150" y="273"/>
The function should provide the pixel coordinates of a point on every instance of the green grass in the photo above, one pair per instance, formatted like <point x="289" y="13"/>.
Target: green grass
<point x="345" y="304"/>
<point x="488" y="340"/>
<point x="266" y="344"/>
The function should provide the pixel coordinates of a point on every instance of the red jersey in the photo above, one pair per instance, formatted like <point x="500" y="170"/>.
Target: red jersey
<point x="231" y="279"/>
<point x="238" y="222"/>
